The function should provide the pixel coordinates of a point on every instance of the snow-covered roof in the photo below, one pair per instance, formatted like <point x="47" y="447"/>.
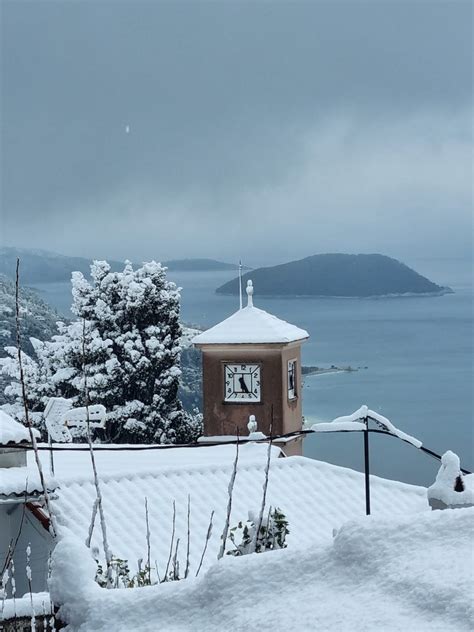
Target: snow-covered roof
<point x="315" y="496"/>
<point x="399" y="573"/>
<point x="18" y="481"/>
<point x="251" y="325"/>
<point x="13" y="432"/>
<point x="74" y="463"/>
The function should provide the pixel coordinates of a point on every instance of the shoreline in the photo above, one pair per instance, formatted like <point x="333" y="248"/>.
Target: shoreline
<point x="443" y="292"/>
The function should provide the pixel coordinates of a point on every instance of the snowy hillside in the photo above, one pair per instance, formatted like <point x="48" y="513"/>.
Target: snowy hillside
<point x="38" y="318"/>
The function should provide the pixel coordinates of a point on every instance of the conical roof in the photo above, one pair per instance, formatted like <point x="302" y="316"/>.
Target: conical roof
<point x="251" y="325"/>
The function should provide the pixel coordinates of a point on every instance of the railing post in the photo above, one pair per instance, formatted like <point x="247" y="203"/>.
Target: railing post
<point x="367" y="467"/>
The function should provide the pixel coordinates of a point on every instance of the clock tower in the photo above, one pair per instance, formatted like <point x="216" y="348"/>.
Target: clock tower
<point x="252" y="366"/>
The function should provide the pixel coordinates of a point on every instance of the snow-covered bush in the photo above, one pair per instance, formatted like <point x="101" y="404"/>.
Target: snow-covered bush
<point x="272" y="534"/>
<point x="35" y="379"/>
<point x="120" y="574"/>
<point x="128" y="323"/>
<point x="146" y="576"/>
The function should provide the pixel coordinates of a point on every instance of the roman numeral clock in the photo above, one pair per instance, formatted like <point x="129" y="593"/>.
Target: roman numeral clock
<point x="251" y="365"/>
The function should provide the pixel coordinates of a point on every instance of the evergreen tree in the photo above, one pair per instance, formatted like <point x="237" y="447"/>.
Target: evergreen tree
<point x="128" y="325"/>
<point x="33" y="376"/>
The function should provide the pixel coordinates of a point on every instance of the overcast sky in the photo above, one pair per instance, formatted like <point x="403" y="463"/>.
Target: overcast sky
<point x="269" y="131"/>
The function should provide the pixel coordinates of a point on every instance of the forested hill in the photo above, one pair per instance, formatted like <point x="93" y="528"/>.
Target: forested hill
<point x="337" y="275"/>
<point x="38" y="319"/>
<point x="41" y="266"/>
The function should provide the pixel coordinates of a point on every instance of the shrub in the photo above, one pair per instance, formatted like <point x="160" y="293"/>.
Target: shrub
<point x="272" y="534"/>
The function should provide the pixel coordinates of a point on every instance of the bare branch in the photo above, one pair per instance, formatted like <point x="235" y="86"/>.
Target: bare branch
<point x="229" y="502"/>
<point x="28" y="576"/>
<point x="175" y="562"/>
<point x="92" y="523"/>
<point x="171" y="543"/>
<point x="186" y="572"/>
<point x="253" y="546"/>
<point x="25" y="402"/>
<point x="148" y="540"/>
<point x="108" y="554"/>
<point x="13" y="543"/>
<point x="208" y="537"/>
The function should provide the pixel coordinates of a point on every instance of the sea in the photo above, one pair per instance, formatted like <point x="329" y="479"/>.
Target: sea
<point x="413" y="355"/>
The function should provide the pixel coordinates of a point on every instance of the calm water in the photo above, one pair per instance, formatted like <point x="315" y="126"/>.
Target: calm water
<point x="418" y="354"/>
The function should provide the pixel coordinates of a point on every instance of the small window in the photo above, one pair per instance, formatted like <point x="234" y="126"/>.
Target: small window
<point x="292" y="393"/>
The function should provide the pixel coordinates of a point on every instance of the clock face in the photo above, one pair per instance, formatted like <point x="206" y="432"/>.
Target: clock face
<point x="242" y="383"/>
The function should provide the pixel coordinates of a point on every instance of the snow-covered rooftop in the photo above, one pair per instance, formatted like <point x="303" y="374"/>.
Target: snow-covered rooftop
<point x="315" y="496"/>
<point x="13" y="432"/>
<point x="251" y="325"/>
<point x="74" y="463"/>
<point x="21" y="481"/>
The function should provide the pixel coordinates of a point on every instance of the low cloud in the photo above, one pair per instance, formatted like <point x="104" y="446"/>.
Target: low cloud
<point x="351" y="183"/>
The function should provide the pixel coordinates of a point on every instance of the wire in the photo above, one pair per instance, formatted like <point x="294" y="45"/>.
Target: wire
<point x="101" y="447"/>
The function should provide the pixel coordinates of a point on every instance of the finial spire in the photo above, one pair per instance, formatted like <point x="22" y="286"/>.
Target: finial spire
<point x="249" y="290"/>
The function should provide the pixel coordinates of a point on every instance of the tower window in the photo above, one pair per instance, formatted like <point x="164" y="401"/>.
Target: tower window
<point x="292" y="393"/>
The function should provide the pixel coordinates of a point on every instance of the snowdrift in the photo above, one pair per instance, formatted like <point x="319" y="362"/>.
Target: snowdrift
<point x="406" y="573"/>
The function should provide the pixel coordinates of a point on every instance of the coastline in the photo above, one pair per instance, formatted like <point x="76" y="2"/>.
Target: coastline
<point x="443" y="292"/>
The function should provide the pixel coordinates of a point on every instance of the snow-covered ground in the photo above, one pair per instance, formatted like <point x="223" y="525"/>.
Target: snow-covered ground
<point x="411" y="574"/>
<point x="405" y="568"/>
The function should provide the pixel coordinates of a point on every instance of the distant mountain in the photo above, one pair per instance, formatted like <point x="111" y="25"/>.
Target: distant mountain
<point x="338" y="275"/>
<point x="41" y="266"/>
<point x="200" y="265"/>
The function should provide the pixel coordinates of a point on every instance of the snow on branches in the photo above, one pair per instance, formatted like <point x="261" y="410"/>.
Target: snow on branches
<point x="132" y="347"/>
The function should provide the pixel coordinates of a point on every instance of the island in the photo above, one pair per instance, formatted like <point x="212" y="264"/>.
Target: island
<point x="317" y="370"/>
<point x="338" y="275"/>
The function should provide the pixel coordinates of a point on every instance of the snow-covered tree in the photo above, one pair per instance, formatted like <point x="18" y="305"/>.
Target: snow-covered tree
<point x="33" y="375"/>
<point x="37" y="319"/>
<point x="128" y="325"/>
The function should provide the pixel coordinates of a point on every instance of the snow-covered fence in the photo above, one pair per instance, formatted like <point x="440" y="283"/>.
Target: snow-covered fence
<point x="358" y="421"/>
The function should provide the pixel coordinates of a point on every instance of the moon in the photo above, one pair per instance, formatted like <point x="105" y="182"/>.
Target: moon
<point x="127" y="129"/>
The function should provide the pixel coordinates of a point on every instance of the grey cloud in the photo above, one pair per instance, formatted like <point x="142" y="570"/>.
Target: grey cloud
<point x="257" y="114"/>
<point x="399" y="186"/>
